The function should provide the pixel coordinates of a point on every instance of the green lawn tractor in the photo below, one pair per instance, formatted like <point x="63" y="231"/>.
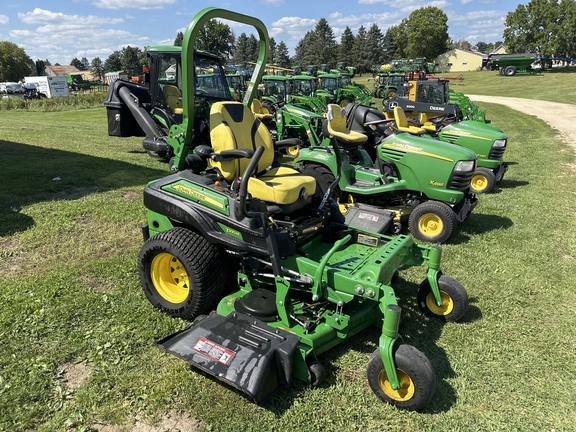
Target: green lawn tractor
<point x="235" y="232"/>
<point x="424" y="181"/>
<point x="486" y="141"/>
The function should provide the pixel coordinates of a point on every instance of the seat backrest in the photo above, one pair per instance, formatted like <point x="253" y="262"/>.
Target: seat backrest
<point x="400" y="117"/>
<point x="234" y="126"/>
<point x="422" y="118"/>
<point x="172" y="97"/>
<point x="336" y="119"/>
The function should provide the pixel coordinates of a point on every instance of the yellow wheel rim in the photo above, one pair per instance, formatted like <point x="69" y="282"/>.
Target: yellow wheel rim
<point x="447" y="304"/>
<point x="293" y="151"/>
<point x="404" y="393"/>
<point x="479" y="182"/>
<point x="430" y="224"/>
<point x="392" y="94"/>
<point x="169" y="278"/>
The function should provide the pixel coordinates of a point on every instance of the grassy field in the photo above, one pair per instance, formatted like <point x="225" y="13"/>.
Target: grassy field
<point x="78" y="335"/>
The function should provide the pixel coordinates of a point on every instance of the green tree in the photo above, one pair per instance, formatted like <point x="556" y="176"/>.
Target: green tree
<point x="484" y="47"/>
<point x="374" y="46"/>
<point x="544" y="26"/>
<point x="14" y="62"/>
<point x="323" y="49"/>
<point x="462" y="44"/>
<point x="253" y="48"/>
<point x="272" y="51"/>
<point x="388" y="47"/>
<point x="427" y="33"/>
<point x="400" y="38"/>
<point x="361" y="61"/>
<point x="303" y="55"/>
<point x="114" y="62"/>
<point x="85" y="64"/>
<point x="346" y="47"/>
<point x="281" y="55"/>
<point x="97" y="68"/>
<point x="76" y="63"/>
<point x="130" y="58"/>
<point x="241" y="53"/>
<point x="39" y="66"/>
<point x="178" y="40"/>
<point x="216" y="38"/>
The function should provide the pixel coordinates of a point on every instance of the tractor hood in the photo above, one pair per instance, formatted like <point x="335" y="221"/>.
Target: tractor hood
<point x="474" y="129"/>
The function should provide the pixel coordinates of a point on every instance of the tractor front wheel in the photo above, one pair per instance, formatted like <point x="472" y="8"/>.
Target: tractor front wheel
<point x="432" y="221"/>
<point x="181" y="273"/>
<point x="380" y="93"/>
<point x="483" y="181"/>
<point x="389" y="94"/>
<point x="344" y="103"/>
<point x="454" y="299"/>
<point x="415" y="373"/>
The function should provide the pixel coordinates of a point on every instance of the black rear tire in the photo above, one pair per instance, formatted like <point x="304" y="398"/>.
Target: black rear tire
<point x="324" y="178"/>
<point x="182" y="274"/>
<point x="510" y="71"/>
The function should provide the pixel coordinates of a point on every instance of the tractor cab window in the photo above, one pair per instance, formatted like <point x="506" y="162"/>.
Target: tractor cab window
<point x="330" y="84"/>
<point x="346" y="80"/>
<point x="210" y="79"/>
<point x="303" y="87"/>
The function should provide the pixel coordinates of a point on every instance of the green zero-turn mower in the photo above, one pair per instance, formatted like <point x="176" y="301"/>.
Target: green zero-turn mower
<point x="302" y="281"/>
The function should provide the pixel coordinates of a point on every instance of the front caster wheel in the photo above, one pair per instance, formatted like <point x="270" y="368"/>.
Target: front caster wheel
<point x="454" y="299"/>
<point x="317" y="373"/>
<point x="415" y="373"/>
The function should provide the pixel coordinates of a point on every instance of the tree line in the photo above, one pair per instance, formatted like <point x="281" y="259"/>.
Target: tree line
<point x="547" y="27"/>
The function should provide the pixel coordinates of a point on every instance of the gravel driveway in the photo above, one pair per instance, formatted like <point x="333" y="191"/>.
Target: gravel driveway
<point x="560" y="116"/>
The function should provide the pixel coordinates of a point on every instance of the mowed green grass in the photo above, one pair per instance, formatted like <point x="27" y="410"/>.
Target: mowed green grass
<point x="70" y="217"/>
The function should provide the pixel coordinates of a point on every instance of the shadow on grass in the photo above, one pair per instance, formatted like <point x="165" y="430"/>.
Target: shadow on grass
<point x="32" y="174"/>
<point x="477" y="224"/>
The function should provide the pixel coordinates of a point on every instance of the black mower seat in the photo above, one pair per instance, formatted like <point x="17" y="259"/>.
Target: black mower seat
<point x="336" y="126"/>
<point x="234" y="126"/>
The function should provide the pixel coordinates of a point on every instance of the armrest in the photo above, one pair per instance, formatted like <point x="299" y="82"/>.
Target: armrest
<point x="228" y="155"/>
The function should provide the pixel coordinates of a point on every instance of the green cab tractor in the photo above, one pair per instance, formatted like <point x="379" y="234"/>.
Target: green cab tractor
<point x="386" y="85"/>
<point x="261" y="263"/>
<point x="336" y="88"/>
<point x="423" y="104"/>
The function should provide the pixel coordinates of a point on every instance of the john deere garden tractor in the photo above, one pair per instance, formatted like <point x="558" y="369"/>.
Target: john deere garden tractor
<point x="233" y="231"/>
<point x="425" y="105"/>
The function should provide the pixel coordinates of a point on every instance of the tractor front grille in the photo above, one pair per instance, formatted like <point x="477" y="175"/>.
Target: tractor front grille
<point x="496" y="153"/>
<point x="460" y="180"/>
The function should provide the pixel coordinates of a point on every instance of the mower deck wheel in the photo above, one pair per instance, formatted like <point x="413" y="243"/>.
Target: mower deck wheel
<point x="483" y="181"/>
<point x="432" y="221"/>
<point x="454" y="299"/>
<point x="181" y="273"/>
<point x="415" y="373"/>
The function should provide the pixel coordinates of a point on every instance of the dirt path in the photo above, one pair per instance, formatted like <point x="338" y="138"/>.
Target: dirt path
<point x="560" y="116"/>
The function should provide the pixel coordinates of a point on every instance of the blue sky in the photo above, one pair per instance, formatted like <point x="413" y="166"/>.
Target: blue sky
<point x="60" y="30"/>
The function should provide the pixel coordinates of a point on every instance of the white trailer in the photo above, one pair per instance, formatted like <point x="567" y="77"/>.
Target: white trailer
<point x="50" y="86"/>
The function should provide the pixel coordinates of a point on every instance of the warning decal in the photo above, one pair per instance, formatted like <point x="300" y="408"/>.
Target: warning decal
<point x="213" y="350"/>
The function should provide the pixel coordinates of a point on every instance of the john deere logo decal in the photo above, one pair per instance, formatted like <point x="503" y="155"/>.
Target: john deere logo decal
<point x="197" y="195"/>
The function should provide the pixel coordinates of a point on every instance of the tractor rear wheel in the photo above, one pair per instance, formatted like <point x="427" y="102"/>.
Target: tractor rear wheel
<point x="268" y="106"/>
<point x="380" y="93"/>
<point x="501" y="71"/>
<point x="344" y="103"/>
<point x="182" y="274"/>
<point x="432" y="221"/>
<point x="390" y="94"/>
<point x="324" y="178"/>
<point x="454" y="299"/>
<point x="415" y="373"/>
<point x="510" y="71"/>
<point x="483" y="181"/>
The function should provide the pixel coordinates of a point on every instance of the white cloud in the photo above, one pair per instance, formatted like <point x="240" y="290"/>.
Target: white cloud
<point x="276" y="3"/>
<point x="4" y="19"/>
<point x="42" y="16"/>
<point x="465" y="2"/>
<point x="133" y="4"/>
<point x="275" y="31"/>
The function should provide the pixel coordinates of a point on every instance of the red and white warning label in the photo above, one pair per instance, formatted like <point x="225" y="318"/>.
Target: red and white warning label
<point x="213" y="350"/>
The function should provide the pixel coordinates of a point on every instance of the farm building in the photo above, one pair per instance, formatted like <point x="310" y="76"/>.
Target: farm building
<point x="457" y="60"/>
